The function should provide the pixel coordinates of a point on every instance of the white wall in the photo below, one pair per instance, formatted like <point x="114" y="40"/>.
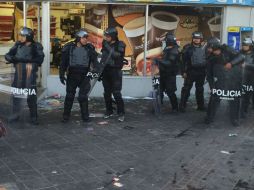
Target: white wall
<point x="132" y="86"/>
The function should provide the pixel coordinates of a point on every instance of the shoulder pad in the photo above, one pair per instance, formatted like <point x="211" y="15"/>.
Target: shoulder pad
<point x="17" y="43"/>
<point x="68" y="45"/>
<point x="38" y="45"/>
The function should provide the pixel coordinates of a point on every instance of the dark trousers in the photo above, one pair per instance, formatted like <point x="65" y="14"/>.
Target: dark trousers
<point x="248" y="86"/>
<point x="214" y="103"/>
<point x="168" y="84"/>
<point x="199" y="80"/>
<point x="112" y="83"/>
<point x="74" y="81"/>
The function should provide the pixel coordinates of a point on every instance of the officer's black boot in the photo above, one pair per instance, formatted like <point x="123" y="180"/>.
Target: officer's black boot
<point x="120" y="105"/>
<point x="67" y="109"/>
<point x="108" y="104"/>
<point x="183" y="100"/>
<point x="32" y="104"/>
<point x="84" y="111"/>
<point x="200" y="100"/>
<point x="174" y="103"/>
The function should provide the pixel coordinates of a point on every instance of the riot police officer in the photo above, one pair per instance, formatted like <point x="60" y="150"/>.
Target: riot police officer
<point x="26" y="55"/>
<point x="113" y="52"/>
<point x="77" y="58"/>
<point x="248" y="73"/>
<point x="224" y="77"/>
<point x="168" y="70"/>
<point x="193" y="70"/>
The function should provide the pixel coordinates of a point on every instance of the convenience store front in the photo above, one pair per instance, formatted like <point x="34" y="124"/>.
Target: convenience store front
<point x="140" y="24"/>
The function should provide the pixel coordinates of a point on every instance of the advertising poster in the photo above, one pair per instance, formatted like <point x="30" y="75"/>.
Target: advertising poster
<point x="129" y="21"/>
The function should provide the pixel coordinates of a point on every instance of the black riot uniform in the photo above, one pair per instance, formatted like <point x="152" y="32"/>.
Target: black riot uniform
<point x="248" y="73"/>
<point x="193" y="70"/>
<point x="113" y="52"/>
<point x="77" y="58"/>
<point x="26" y="56"/>
<point x="168" y="70"/>
<point x="225" y="83"/>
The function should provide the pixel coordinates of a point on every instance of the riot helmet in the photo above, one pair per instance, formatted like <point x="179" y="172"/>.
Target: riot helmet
<point x="112" y="32"/>
<point x="28" y="33"/>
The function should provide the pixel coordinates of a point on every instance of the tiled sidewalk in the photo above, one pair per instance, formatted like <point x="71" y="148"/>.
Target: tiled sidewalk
<point x="144" y="152"/>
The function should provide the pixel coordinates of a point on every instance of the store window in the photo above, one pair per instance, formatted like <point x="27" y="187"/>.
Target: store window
<point x="67" y="18"/>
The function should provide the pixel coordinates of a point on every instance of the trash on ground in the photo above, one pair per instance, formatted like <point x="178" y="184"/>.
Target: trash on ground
<point x="103" y="123"/>
<point x="174" y="179"/>
<point x="56" y="95"/>
<point x="89" y="129"/>
<point x="54" y="172"/>
<point x="182" y="133"/>
<point x="116" y="179"/>
<point x="232" y="135"/>
<point x="228" y="152"/>
<point x="242" y="184"/>
<point x="96" y="115"/>
<point x="128" y="127"/>
<point x="129" y="98"/>
<point x="190" y="187"/>
<point x="117" y="184"/>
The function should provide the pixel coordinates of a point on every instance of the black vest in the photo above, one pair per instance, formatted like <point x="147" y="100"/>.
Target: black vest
<point x="24" y="52"/>
<point x="198" y="58"/>
<point x="79" y="57"/>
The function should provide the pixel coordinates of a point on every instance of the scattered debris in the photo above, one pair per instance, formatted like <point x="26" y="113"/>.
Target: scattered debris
<point x="129" y="98"/>
<point x="224" y="152"/>
<point x="128" y="127"/>
<point x="232" y="171"/>
<point x="103" y="123"/>
<point x="230" y="162"/>
<point x="228" y="152"/>
<point x="183" y="133"/>
<point x="174" y="179"/>
<point x="117" y="184"/>
<point x="190" y="187"/>
<point x="241" y="184"/>
<point x="89" y="129"/>
<point x="96" y="115"/>
<point x="116" y="179"/>
<point x="56" y="95"/>
<point x="232" y="135"/>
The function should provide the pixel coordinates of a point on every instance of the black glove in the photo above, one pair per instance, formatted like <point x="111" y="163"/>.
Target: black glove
<point x="63" y="79"/>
